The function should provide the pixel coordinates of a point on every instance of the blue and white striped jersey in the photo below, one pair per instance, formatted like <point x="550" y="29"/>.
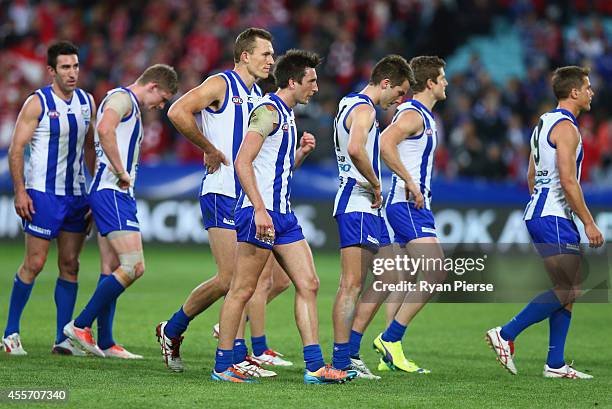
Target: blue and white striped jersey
<point x="225" y="129"/>
<point x="352" y="196"/>
<point x="56" y="150"/>
<point x="548" y="198"/>
<point x="274" y="164"/>
<point x="129" y="136"/>
<point x="417" y="155"/>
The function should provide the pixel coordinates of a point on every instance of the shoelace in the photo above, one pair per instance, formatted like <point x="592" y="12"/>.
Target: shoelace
<point x="175" y="346"/>
<point x="252" y="362"/>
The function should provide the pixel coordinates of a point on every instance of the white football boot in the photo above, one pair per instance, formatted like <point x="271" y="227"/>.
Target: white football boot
<point x="12" y="345"/>
<point x="249" y="367"/>
<point x="67" y="347"/>
<point x="362" y="370"/>
<point x="565" y="371"/>
<point x="117" y="351"/>
<point x="504" y="350"/>
<point x="170" y="348"/>
<point x="273" y="358"/>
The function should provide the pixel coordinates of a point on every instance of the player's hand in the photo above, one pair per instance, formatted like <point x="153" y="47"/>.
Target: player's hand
<point x="125" y="181"/>
<point x="213" y="160"/>
<point x="307" y="143"/>
<point x="264" y="228"/>
<point x="89" y="223"/>
<point x="413" y="191"/>
<point x="24" y="205"/>
<point x="594" y="235"/>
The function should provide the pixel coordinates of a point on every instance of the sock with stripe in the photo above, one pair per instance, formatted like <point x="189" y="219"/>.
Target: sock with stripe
<point x="259" y="345"/>
<point x="313" y="357"/>
<point x="540" y="308"/>
<point x="177" y="324"/>
<point x="65" y="298"/>
<point x="559" y="323"/>
<point x="105" y="321"/>
<point x="395" y="332"/>
<point x="107" y="292"/>
<point x="19" y="297"/>
<point x="355" y="343"/>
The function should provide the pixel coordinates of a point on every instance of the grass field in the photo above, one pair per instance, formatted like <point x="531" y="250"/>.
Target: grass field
<point x="446" y="338"/>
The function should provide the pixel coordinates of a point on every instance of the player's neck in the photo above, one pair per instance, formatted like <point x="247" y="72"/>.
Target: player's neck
<point x="138" y="91"/>
<point x="245" y="75"/>
<point x="58" y="91"/>
<point x="426" y="99"/>
<point x="568" y="106"/>
<point x="372" y="92"/>
<point x="287" y="97"/>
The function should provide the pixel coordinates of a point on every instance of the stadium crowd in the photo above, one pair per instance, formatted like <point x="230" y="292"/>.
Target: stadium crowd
<point x="487" y="125"/>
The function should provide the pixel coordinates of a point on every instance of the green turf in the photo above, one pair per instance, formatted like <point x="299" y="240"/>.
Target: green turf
<point x="446" y="338"/>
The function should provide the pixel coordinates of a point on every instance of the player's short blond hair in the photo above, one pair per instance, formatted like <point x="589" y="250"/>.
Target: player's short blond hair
<point x="161" y="74"/>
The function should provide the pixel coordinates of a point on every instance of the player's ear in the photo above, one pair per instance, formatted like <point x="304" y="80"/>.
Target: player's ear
<point x="291" y="83"/>
<point x="386" y="83"/>
<point x="51" y="70"/>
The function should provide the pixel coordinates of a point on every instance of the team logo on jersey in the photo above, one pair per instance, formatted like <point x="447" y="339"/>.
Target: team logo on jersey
<point x="429" y="132"/>
<point x="251" y="99"/>
<point x="285" y="127"/>
<point x="237" y="100"/>
<point x="85" y="111"/>
<point x="53" y="114"/>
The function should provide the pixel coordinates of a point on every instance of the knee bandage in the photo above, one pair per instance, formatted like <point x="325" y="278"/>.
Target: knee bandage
<point x="129" y="261"/>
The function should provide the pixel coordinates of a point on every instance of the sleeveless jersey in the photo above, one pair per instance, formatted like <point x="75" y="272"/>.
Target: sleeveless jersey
<point x="351" y="196"/>
<point x="548" y="198"/>
<point x="417" y="155"/>
<point x="129" y="136"/>
<point x="274" y="163"/>
<point x="55" y="164"/>
<point x="225" y="129"/>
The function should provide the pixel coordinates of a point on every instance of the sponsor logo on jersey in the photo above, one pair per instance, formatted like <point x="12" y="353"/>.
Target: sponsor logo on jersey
<point x="428" y="230"/>
<point x="132" y="223"/>
<point x="237" y="100"/>
<point x="53" y="114"/>
<point x="372" y="240"/>
<point x="429" y="131"/>
<point x="229" y="221"/>
<point x="85" y="111"/>
<point x="285" y="127"/>
<point x="39" y="230"/>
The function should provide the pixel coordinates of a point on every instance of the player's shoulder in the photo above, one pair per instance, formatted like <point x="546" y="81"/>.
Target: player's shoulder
<point x="33" y="105"/>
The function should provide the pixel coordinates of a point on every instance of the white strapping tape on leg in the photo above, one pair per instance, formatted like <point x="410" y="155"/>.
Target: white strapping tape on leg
<point x="129" y="261"/>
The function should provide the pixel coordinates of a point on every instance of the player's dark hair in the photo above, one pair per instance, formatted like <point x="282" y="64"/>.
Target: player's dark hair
<point x="292" y="66"/>
<point x="163" y="75"/>
<point x="392" y="67"/>
<point x="60" y="48"/>
<point x="267" y="85"/>
<point x="565" y="79"/>
<point x="246" y="41"/>
<point x="426" y="67"/>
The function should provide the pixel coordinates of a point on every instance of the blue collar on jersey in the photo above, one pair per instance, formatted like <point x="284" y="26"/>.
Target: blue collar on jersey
<point x="362" y="96"/>
<point x="421" y="106"/>
<point x="53" y="92"/>
<point x="131" y="93"/>
<point x="568" y="113"/>
<point x="276" y="98"/>
<point x="237" y="77"/>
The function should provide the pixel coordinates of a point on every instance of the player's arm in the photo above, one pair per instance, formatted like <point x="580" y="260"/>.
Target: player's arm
<point x="115" y="108"/>
<point x="359" y="123"/>
<point x="262" y="122"/>
<point x="409" y="123"/>
<point x="565" y="136"/>
<point x="531" y="174"/>
<point x="182" y="111"/>
<point x="307" y="145"/>
<point x="26" y="124"/>
<point x="89" y="149"/>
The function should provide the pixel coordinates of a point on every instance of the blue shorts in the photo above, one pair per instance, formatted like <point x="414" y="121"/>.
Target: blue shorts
<point x="361" y="229"/>
<point x="286" y="227"/>
<point x="113" y="211"/>
<point x="554" y="235"/>
<point x="56" y="213"/>
<point x="409" y="223"/>
<point x="384" y="240"/>
<point x="218" y="211"/>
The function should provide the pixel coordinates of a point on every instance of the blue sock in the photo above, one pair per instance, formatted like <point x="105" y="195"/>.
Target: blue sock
<point x="223" y="359"/>
<point x="259" y="345"/>
<point x="177" y="324"/>
<point x="559" y="325"/>
<point x="105" y="321"/>
<point x="19" y="298"/>
<point x="394" y="332"/>
<point x="65" y="298"/>
<point x="538" y="309"/>
<point x="313" y="357"/>
<point x="107" y="292"/>
<point x="355" y="344"/>
<point x="340" y="357"/>
<point x="240" y="350"/>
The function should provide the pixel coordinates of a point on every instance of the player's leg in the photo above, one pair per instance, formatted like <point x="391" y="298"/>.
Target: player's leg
<point x="36" y="250"/>
<point x="69" y="246"/>
<point x="280" y="281"/>
<point x="128" y="246"/>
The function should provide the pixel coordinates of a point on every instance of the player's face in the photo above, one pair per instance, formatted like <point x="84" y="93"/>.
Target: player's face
<point x="585" y="95"/>
<point x="156" y="97"/>
<point x="259" y="62"/>
<point x="66" y="72"/>
<point x="439" y="89"/>
<point x="393" y="94"/>
<point x="307" y="88"/>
